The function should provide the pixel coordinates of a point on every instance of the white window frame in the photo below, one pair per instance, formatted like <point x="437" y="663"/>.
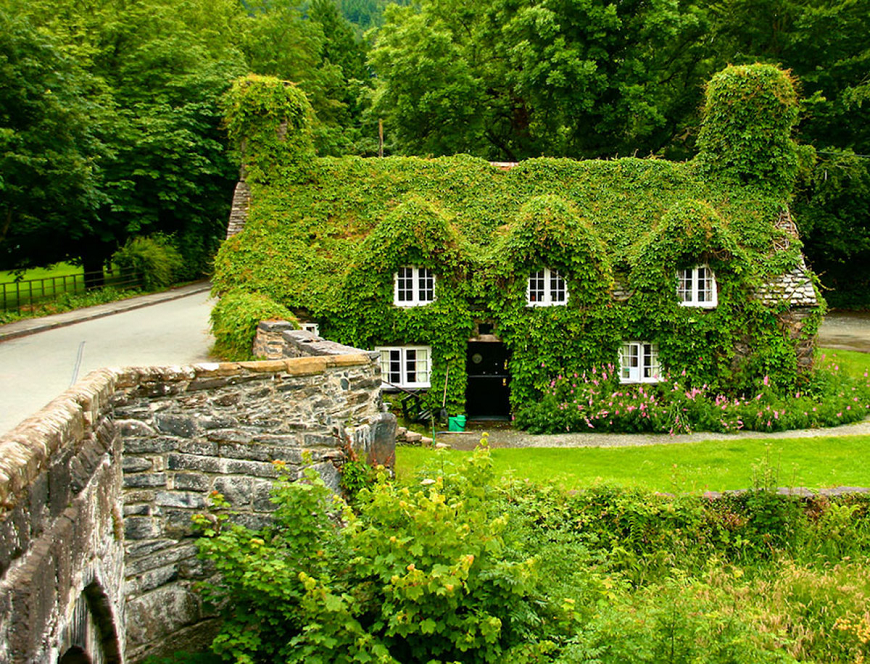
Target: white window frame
<point x="314" y="328"/>
<point x="413" y="286"/>
<point x="696" y="287"/>
<point x="412" y="365"/>
<point x="546" y="288"/>
<point x="639" y="362"/>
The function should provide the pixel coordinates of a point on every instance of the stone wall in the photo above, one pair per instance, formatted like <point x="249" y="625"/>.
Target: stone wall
<point x="190" y="431"/>
<point x="101" y="561"/>
<point x="61" y="533"/>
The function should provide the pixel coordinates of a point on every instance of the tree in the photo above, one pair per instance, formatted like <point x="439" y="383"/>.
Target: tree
<point x="50" y="152"/>
<point x="521" y="78"/>
<point x="159" y="71"/>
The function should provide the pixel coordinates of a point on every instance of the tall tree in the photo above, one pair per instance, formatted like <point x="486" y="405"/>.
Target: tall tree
<point x="50" y="151"/>
<point x="522" y="78"/>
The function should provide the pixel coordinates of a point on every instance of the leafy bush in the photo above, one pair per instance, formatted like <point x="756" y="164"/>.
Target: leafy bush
<point x="596" y="401"/>
<point x="234" y="321"/>
<point x="152" y="259"/>
<point x="462" y="567"/>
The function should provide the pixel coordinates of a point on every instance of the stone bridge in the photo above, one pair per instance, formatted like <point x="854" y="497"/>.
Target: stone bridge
<point x="97" y="490"/>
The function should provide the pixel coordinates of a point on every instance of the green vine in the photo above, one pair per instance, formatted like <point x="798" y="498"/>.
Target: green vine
<point x="331" y="243"/>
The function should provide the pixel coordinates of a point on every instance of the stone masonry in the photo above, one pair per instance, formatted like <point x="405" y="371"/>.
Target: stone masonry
<point x="102" y="562"/>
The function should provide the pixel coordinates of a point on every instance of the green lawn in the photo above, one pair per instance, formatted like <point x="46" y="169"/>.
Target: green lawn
<point x="693" y="467"/>
<point x="686" y="467"/>
<point x="58" y="270"/>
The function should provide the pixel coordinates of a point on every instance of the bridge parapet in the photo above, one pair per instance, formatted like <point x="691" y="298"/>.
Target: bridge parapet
<point x="97" y="490"/>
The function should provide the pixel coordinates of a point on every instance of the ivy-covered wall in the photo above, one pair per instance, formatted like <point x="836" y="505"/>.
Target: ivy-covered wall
<point x="328" y="235"/>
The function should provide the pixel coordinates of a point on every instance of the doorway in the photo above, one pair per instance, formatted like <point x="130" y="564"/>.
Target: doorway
<point x="487" y="396"/>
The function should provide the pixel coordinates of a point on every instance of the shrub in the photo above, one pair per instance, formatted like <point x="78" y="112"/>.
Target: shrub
<point x="234" y="321"/>
<point x="596" y="401"/>
<point x="152" y="259"/>
<point x="462" y="567"/>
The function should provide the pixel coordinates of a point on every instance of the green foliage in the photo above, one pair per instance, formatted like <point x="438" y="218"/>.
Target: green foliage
<point x="234" y="321"/>
<point x="50" y="183"/>
<point x="421" y="574"/>
<point x="332" y="245"/>
<point x="597" y="401"/>
<point x="510" y="80"/>
<point x="749" y="115"/>
<point x="270" y="120"/>
<point x="152" y="260"/>
<point x="460" y="566"/>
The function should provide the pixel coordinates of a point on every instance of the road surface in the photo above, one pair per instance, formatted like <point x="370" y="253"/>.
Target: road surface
<point x="35" y="369"/>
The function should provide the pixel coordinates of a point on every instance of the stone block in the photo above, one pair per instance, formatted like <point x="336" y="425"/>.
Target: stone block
<point x="157" y="445"/>
<point x="182" y="499"/>
<point x="141" y="527"/>
<point x="144" y="480"/>
<point x="150" y="555"/>
<point x="261" y="496"/>
<point x="157" y="615"/>
<point x="220" y="466"/>
<point x="249" y="452"/>
<point x="182" y="426"/>
<point x="198" y="446"/>
<point x="237" y="490"/>
<point x="330" y="476"/>
<point x="229" y="436"/>
<point x="137" y="510"/>
<point x="134" y="428"/>
<point x="151" y="579"/>
<point x="132" y="464"/>
<point x="191" y="481"/>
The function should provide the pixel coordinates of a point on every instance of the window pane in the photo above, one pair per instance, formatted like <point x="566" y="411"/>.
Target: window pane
<point x="426" y="281"/>
<point x="422" y="365"/>
<point x="411" y="365"/>
<point x="536" y="286"/>
<point x="405" y="288"/>
<point x="684" y="286"/>
<point x="705" y="285"/>
<point x="557" y="287"/>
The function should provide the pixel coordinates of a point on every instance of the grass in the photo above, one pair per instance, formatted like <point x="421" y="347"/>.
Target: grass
<point x="56" y="270"/>
<point x="685" y="467"/>
<point x="689" y="467"/>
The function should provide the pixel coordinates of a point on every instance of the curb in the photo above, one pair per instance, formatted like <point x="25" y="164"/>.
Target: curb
<point x="30" y="326"/>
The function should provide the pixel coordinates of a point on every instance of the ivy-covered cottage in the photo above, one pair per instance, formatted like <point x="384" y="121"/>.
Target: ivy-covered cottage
<point x="496" y="278"/>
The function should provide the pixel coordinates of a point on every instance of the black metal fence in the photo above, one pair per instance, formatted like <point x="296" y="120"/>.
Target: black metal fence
<point x="31" y="293"/>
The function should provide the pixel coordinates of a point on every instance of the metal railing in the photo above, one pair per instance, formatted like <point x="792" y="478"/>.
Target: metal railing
<point x="28" y="294"/>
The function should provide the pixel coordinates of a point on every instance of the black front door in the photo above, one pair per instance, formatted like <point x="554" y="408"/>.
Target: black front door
<point x="488" y="381"/>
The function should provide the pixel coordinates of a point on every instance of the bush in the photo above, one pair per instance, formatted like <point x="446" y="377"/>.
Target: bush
<point x="153" y="260"/>
<point x="234" y="321"/>
<point x="596" y="401"/>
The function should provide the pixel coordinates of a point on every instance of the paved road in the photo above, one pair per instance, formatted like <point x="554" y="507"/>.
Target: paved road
<point x="34" y="369"/>
<point x="848" y="330"/>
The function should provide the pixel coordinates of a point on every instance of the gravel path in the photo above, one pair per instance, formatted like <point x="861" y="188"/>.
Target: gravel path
<point x="502" y="436"/>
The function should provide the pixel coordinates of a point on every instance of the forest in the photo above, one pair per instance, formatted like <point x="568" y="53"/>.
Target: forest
<point x="111" y="110"/>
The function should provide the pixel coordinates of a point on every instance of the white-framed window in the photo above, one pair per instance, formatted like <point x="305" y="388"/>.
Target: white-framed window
<point x="696" y="287"/>
<point x="639" y="362"/>
<point x="405" y="366"/>
<point x="413" y="286"/>
<point x="546" y="288"/>
<point x="314" y="328"/>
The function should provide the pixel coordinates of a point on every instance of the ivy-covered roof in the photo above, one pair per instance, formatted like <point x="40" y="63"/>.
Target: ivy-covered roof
<point x="301" y="238"/>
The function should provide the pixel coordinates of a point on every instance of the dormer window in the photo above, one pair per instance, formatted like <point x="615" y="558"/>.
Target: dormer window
<point x="547" y="288"/>
<point x="639" y="362"/>
<point x="696" y="287"/>
<point x="413" y="287"/>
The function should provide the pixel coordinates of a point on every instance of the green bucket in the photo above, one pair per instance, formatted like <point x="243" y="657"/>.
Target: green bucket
<point x="456" y="423"/>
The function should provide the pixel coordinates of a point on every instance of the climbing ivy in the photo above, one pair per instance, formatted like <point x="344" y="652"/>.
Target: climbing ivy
<point x="331" y="243"/>
<point x="270" y="122"/>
